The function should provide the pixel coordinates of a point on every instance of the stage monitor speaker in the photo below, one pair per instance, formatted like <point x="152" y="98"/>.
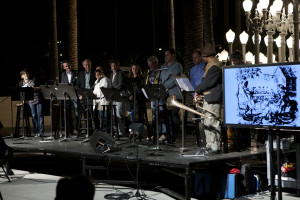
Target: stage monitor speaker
<point x="102" y="142"/>
<point x="137" y="130"/>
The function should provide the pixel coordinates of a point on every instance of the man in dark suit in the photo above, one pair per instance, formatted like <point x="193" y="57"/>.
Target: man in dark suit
<point x="69" y="76"/>
<point x="86" y="80"/>
<point x="117" y="81"/>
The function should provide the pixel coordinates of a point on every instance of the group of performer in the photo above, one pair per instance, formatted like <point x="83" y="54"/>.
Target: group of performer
<point x="205" y="77"/>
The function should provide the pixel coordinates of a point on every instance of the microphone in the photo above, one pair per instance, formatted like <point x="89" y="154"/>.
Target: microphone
<point x="162" y="69"/>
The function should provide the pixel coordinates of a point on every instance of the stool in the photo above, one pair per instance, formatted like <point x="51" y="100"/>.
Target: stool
<point x="86" y="110"/>
<point x="26" y="121"/>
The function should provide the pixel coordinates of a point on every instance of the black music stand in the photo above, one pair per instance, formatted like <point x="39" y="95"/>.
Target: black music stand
<point x="88" y="95"/>
<point x="64" y="91"/>
<point x="112" y="95"/>
<point x="22" y="94"/>
<point x="49" y="93"/>
<point x="185" y="87"/>
<point x="155" y="92"/>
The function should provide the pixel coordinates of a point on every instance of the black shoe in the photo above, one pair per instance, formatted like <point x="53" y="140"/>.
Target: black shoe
<point x="213" y="152"/>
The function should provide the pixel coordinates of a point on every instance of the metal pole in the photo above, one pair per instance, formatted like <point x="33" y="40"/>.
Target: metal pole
<point x="296" y="30"/>
<point x="282" y="37"/>
<point x="256" y="42"/>
<point x="278" y="166"/>
<point x="244" y="52"/>
<point x="270" y="46"/>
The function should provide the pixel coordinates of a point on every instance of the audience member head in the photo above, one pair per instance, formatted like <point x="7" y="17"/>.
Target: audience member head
<point x="197" y="57"/>
<point x="208" y="52"/>
<point x="135" y="71"/>
<point x="87" y="65"/>
<point x="152" y="63"/>
<point x="114" y="64"/>
<point x="75" y="188"/>
<point x="170" y="55"/>
<point x="237" y="58"/>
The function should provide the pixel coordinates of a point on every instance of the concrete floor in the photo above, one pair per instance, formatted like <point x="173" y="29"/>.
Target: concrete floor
<point x="33" y="186"/>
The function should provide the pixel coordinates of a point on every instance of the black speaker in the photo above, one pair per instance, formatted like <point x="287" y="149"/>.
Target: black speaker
<point x="137" y="130"/>
<point x="101" y="142"/>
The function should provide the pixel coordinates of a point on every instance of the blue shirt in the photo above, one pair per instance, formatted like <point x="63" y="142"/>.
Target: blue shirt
<point x="167" y="79"/>
<point x="196" y="74"/>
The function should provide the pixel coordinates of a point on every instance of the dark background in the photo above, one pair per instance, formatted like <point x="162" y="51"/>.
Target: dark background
<point x="25" y="28"/>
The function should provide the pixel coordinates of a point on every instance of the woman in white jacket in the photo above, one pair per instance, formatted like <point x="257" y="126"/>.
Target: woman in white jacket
<point x="102" y="81"/>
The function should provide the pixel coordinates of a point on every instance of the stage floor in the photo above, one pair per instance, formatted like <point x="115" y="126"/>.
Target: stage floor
<point x="164" y="154"/>
<point x="168" y="158"/>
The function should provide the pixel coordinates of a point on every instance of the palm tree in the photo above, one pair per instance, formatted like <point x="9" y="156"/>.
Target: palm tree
<point x="53" y="43"/>
<point x="171" y="25"/>
<point x="72" y="34"/>
<point x="208" y="22"/>
<point x="193" y="30"/>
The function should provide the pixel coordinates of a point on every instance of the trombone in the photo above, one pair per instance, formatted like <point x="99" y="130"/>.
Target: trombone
<point x="171" y="102"/>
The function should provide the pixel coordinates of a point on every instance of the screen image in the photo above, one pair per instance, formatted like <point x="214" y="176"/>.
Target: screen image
<point x="262" y="95"/>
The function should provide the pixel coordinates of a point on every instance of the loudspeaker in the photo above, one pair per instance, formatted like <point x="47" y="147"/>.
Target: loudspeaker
<point x="101" y="142"/>
<point x="137" y="130"/>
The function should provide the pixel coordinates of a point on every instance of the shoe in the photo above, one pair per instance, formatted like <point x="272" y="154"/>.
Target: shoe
<point x="213" y="152"/>
<point x="37" y="135"/>
<point x="162" y="138"/>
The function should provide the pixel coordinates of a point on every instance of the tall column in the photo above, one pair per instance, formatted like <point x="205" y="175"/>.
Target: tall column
<point x="270" y="46"/>
<point x="296" y="30"/>
<point x="172" y="25"/>
<point x="53" y="43"/>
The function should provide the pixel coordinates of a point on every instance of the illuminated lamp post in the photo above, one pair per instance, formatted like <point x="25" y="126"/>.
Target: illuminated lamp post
<point x="249" y="58"/>
<point x="256" y="23"/>
<point x="224" y="56"/>
<point x="290" y="44"/>
<point x="278" y="44"/>
<point x="244" y="39"/>
<point x="230" y="35"/>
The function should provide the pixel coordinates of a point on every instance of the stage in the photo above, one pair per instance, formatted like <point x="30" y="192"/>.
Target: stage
<point x="168" y="158"/>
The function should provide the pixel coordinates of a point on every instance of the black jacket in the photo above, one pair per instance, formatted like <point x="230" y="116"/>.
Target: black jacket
<point x="64" y="77"/>
<point x="211" y="85"/>
<point x="80" y="83"/>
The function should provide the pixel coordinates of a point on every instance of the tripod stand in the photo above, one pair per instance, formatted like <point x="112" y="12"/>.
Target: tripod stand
<point x="156" y="92"/>
<point x="23" y="94"/>
<point x="112" y="95"/>
<point x="88" y="96"/>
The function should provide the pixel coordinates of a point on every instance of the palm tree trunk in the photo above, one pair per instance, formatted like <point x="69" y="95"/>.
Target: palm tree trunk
<point x="53" y="44"/>
<point x="72" y="34"/>
<point x="208" y="22"/>
<point x="154" y="8"/>
<point x="193" y="30"/>
<point x="171" y="25"/>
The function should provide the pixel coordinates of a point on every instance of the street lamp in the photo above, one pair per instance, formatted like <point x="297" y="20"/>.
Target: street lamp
<point x="290" y="44"/>
<point x="224" y="56"/>
<point x="278" y="44"/>
<point x="230" y="35"/>
<point x="244" y="39"/>
<point x="249" y="58"/>
<point x="256" y="23"/>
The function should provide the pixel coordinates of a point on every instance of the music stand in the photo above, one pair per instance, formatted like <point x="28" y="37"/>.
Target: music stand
<point x="23" y="94"/>
<point x="155" y="92"/>
<point x="48" y="92"/>
<point x="112" y="95"/>
<point x="185" y="87"/>
<point x="62" y="92"/>
<point x="86" y="94"/>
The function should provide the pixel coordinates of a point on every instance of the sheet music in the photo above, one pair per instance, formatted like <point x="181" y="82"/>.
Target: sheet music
<point x="185" y="84"/>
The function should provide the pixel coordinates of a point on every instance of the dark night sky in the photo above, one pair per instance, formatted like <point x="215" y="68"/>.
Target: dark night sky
<point x="25" y="34"/>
